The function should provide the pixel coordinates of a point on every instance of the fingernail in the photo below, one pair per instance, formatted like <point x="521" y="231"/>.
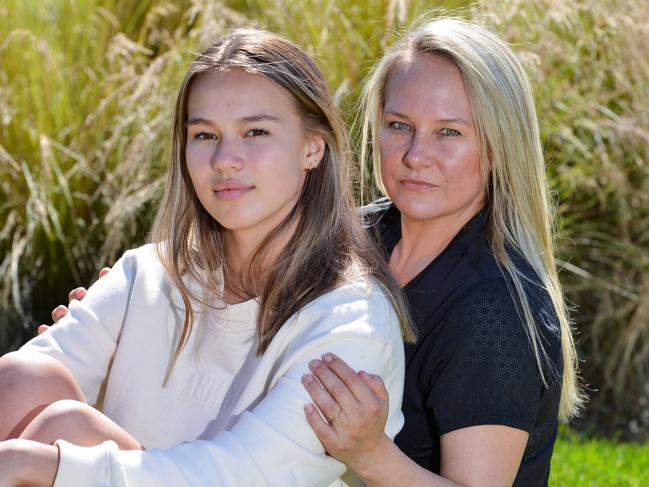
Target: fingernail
<point x="327" y="357"/>
<point x="314" y="364"/>
<point x="307" y="378"/>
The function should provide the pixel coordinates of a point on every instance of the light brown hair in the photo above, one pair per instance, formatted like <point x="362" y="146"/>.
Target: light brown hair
<point x="328" y="246"/>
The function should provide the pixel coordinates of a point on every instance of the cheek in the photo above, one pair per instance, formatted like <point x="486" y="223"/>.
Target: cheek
<point x="461" y="165"/>
<point x="468" y="180"/>
<point x="197" y="156"/>
<point x="472" y="172"/>
<point x="281" y="172"/>
<point x="391" y="157"/>
<point x="190" y="164"/>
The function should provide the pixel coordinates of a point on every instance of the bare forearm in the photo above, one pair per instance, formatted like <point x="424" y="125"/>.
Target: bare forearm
<point x="390" y="467"/>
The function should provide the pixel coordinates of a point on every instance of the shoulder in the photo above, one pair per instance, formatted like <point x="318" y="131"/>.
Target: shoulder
<point x="359" y="309"/>
<point x="379" y="213"/>
<point x="487" y="302"/>
<point x="141" y="266"/>
<point x="141" y="259"/>
<point x="381" y="219"/>
<point x="143" y="253"/>
<point x="483" y="368"/>
<point x="486" y="331"/>
<point x="362" y="298"/>
<point x="374" y="210"/>
<point x="493" y="301"/>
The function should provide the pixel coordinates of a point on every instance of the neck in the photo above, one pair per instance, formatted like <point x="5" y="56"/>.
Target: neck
<point x="423" y="240"/>
<point x="240" y="247"/>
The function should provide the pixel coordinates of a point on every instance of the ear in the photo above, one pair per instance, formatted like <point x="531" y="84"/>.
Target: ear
<point x="315" y="149"/>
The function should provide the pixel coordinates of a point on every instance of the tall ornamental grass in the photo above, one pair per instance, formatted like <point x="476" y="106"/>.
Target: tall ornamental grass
<point x="86" y="93"/>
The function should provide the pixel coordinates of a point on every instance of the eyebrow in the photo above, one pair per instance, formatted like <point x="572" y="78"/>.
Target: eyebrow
<point x="455" y="120"/>
<point x="261" y="117"/>
<point x="458" y="120"/>
<point x="396" y="114"/>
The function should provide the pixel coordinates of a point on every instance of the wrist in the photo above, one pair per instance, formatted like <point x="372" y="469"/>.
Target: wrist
<point x="372" y="464"/>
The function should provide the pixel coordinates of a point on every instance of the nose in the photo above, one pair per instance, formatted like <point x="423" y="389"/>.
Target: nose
<point x="419" y="153"/>
<point x="226" y="157"/>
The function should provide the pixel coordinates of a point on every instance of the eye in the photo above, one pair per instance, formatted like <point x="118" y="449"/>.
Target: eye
<point x="256" y="132"/>
<point x="204" y="136"/>
<point x="449" y="132"/>
<point x="396" y="125"/>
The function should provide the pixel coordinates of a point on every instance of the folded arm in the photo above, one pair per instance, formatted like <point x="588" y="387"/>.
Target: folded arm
<point x="271" y="443"/>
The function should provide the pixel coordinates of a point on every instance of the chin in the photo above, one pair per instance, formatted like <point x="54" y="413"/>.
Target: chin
<point x="228" y="222"/>
<point x="415" y="210"/>
<point x="232" y="225"/>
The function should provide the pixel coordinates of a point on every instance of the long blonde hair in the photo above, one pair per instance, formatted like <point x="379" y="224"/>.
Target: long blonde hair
<point x="328" y="246"/>
<point x="512" y="164"/>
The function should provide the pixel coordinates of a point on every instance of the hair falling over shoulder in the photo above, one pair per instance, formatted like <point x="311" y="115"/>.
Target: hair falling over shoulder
<point x="512" y="164"/>
<point x="328" y="247"/>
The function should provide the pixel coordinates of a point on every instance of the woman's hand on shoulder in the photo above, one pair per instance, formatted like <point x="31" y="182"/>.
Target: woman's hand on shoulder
<point x="355" y="406"/>
<point x="61" y="310"/>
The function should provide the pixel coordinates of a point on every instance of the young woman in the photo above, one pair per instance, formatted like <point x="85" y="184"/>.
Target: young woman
<point x="195" y="345"/>
<point x="467" y="229"/>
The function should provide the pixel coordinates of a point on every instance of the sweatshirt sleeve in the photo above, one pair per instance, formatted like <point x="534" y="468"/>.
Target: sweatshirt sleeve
<point x="271" y="444"/>
<point x="85" y="339"/>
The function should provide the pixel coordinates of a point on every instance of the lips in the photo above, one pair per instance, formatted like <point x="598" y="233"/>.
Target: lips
<point x="231" y="190"/>
<point x="414" y="184"/>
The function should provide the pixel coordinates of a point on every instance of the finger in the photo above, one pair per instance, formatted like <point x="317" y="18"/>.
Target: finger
<point x="375" y="383"/>
<point x="77" y="293"/>
<point x="42" y="328"/>
<point x="361" y="391"/>
<point x="334" y="386"/>
<point x="104" y="271"/>
<point x="59" y="312"/>
<point x="323" y="430"/>
<point x="325" y="402"/>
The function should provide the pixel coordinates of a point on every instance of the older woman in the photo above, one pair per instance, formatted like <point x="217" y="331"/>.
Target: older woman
<point x="467" y="228"/>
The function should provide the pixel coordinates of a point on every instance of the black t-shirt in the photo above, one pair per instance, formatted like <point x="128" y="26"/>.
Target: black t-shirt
<point x="472" y="363"/>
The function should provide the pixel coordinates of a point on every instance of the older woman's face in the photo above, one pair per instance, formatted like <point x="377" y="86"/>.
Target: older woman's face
<point x="430" y="164"/>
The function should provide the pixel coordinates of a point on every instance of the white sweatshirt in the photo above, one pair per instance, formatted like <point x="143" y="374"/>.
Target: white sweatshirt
<point x="226" y="417"/>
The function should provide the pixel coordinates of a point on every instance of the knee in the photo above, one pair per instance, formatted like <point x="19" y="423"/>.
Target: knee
<point x="22" y="372"/>
<point x="64" y="419"/>
<point x="13" y="369"/>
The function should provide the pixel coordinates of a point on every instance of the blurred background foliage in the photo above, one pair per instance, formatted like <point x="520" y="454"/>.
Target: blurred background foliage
<point x="86" y="94"/>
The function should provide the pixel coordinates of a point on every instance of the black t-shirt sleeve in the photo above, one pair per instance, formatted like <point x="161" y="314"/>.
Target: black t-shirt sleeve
<point x="485" y="371"/>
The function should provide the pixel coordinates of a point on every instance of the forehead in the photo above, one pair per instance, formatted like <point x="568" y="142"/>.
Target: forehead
<point x="427" y="83"/>
<point x="236" y="91"/>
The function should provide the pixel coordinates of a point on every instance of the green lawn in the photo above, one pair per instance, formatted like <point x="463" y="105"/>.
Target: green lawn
<point x="578" y="461"/>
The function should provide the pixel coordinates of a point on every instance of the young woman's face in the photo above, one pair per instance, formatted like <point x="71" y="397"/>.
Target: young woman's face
<point x="247" y="150"/>
<point x="430" y="164"/>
